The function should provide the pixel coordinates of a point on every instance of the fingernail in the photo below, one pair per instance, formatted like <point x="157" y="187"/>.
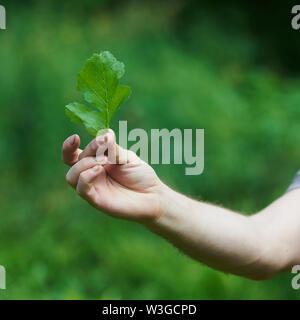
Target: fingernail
<point x="72" y="139"/>
<point x="100" y="140"/>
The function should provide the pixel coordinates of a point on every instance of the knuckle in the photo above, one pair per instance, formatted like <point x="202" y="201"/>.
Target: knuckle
<point x="68" y="178"/>
<point x="83" y="177"/>
<point x="84" y="162"/>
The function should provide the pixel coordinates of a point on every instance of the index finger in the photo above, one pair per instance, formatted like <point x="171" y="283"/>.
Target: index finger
<point x="99" y="142"/>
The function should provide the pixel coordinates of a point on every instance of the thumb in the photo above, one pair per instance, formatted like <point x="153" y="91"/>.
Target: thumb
<point x="70" y="150"/>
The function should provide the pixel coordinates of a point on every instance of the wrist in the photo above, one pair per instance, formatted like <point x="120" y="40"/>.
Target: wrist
<point x="168" y="210"/>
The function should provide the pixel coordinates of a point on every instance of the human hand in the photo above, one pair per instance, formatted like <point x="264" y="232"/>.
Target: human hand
<point x="113" y="179"/>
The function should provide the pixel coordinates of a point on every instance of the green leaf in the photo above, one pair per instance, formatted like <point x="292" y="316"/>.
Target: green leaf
<point x="99" y="84"/>
<point x="122" y="93"/>
<point x="82" y="114"/>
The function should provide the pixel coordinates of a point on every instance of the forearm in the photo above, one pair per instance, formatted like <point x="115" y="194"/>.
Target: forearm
<point x="215" y="236"/>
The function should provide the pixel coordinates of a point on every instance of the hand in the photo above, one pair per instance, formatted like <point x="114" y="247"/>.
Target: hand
<point x="113" y="179"/>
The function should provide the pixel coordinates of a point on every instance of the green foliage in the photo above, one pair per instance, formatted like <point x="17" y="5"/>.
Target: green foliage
<point x="99" y="83"/>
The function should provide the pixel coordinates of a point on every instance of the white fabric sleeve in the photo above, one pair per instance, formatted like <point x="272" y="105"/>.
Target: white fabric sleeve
<point x="296" y="182"/>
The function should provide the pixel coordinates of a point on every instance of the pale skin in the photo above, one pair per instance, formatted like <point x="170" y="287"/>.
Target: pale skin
<point x="122" y="185"/>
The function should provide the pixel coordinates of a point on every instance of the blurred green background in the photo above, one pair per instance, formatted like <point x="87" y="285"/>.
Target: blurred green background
<point x="230" y="67"/>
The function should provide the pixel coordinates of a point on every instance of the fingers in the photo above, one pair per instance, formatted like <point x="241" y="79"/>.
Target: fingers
<point x="74" y="173"/>
<point x="70" y="151"/>
<point x="100" y="141"/>
<point x="90" y="150"/>
<point x="114" y="153"/>
<point x="107" y="147"/>
<point x="85" y="182"/>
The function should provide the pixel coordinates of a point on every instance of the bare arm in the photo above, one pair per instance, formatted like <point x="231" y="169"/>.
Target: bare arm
<point x="256" y="247"/>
